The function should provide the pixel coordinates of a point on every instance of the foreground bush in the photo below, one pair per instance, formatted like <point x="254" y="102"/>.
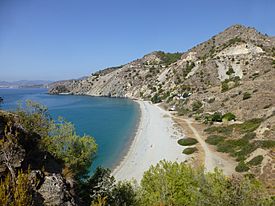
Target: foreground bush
<point x="178" y="184"/>
<point x="17" y="191"/>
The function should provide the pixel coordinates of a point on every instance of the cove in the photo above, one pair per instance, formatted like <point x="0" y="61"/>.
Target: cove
<point x="111" y="121"/>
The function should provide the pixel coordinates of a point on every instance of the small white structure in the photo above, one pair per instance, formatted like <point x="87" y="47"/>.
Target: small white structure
<point x="173" y="108"/>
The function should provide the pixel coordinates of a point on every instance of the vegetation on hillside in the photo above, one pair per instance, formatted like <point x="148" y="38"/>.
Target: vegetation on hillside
<point x="239" y="148"/>
<point x="169" y="58"/>
<point x="170" y="183"/>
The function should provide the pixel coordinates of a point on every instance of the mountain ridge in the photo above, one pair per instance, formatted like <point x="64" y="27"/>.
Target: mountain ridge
<point x="25" y="83"/>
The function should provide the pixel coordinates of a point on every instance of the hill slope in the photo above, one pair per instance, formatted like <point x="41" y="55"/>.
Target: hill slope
<point x="234" y="71"/>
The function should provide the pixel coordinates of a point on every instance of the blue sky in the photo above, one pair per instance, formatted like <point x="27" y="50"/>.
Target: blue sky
<point x="63" y="39"/>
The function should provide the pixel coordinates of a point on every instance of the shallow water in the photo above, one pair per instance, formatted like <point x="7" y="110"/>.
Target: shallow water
<point x="111" y="121"/>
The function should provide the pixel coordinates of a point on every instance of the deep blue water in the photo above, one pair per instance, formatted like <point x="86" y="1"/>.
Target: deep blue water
<point x="111" y="121"/>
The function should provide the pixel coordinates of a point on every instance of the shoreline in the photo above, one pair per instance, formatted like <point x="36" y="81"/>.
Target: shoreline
<point x="155" y="139"/>
<point x="132" y="137"/>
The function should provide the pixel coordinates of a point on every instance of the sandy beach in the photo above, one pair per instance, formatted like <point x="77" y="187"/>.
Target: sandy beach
<point x="155" y="140"/>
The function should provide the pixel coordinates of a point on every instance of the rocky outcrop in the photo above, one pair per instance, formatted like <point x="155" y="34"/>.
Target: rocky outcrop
<point x="54" y="190"/>
<point x="19" y="152"/>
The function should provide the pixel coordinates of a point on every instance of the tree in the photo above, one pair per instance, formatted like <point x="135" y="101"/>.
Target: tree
<point x="98" y="186"/>
<point x="124" y="194"/>
<point x="101" y="189"/>
<point x="217" y="117"/>
<point x="77" y="152"/>
<point x="178" y="184"/>
<point x="34" y="117"/>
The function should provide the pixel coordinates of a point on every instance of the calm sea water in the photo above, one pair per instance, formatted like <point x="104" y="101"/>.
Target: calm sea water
<point x="112" y="122"/>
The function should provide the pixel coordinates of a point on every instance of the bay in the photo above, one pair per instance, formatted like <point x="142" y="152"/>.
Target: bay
<point x="111" y="121"/>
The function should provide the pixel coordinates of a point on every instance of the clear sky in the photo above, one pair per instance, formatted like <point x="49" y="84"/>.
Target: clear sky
<point x="63" y="39"/>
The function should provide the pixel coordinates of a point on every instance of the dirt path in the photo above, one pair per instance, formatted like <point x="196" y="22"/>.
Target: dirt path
<point x="212" y="158"/>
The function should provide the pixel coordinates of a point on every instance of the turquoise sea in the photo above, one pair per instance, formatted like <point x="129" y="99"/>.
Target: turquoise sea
<point x="111" y="121"/>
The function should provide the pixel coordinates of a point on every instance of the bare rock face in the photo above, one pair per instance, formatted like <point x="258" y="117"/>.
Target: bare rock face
<point x="11" y="156"/>
<point x="54" y="191"/>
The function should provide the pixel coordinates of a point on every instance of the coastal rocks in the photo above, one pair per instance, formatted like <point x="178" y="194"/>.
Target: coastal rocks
<point x="11" y="156"/>
<point x="59" y="89"/>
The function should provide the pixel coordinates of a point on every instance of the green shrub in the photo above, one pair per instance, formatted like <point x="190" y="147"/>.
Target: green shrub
<point x="225" y="146"/>
<point x="169" y="58"/>
<point x="187" y="141"/>
<point x="230" y="71"/>
<point x="265" y="143"/>
<point x="196" y="105"/>
<point x="214" y="139"/>
<point x="188" y="68"/>
<point x="249" y="135"/>
<point x="182" y="111"/>
<point x="225" y="86"/>
<point x="221" y="130"/>
<point x="217" y="117"/>
<point x="189" y="150"/>
<point x="256" y="160"/>
<point x="249" y="125"/>
<point x="156" y="99"/>
<point x="246" y="95"/>
<point x="231" y="146"/>
<point x="244" y="151"/>
<point x="241" y="167"/>
<point x="234" y="41"/>
<point x="228" y="117"/>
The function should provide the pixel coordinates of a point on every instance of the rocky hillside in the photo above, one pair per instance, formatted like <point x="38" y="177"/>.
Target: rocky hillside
<point x="31" y="169"/>
<point x="239" y="57"/>
<point x="233" y="72"/>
